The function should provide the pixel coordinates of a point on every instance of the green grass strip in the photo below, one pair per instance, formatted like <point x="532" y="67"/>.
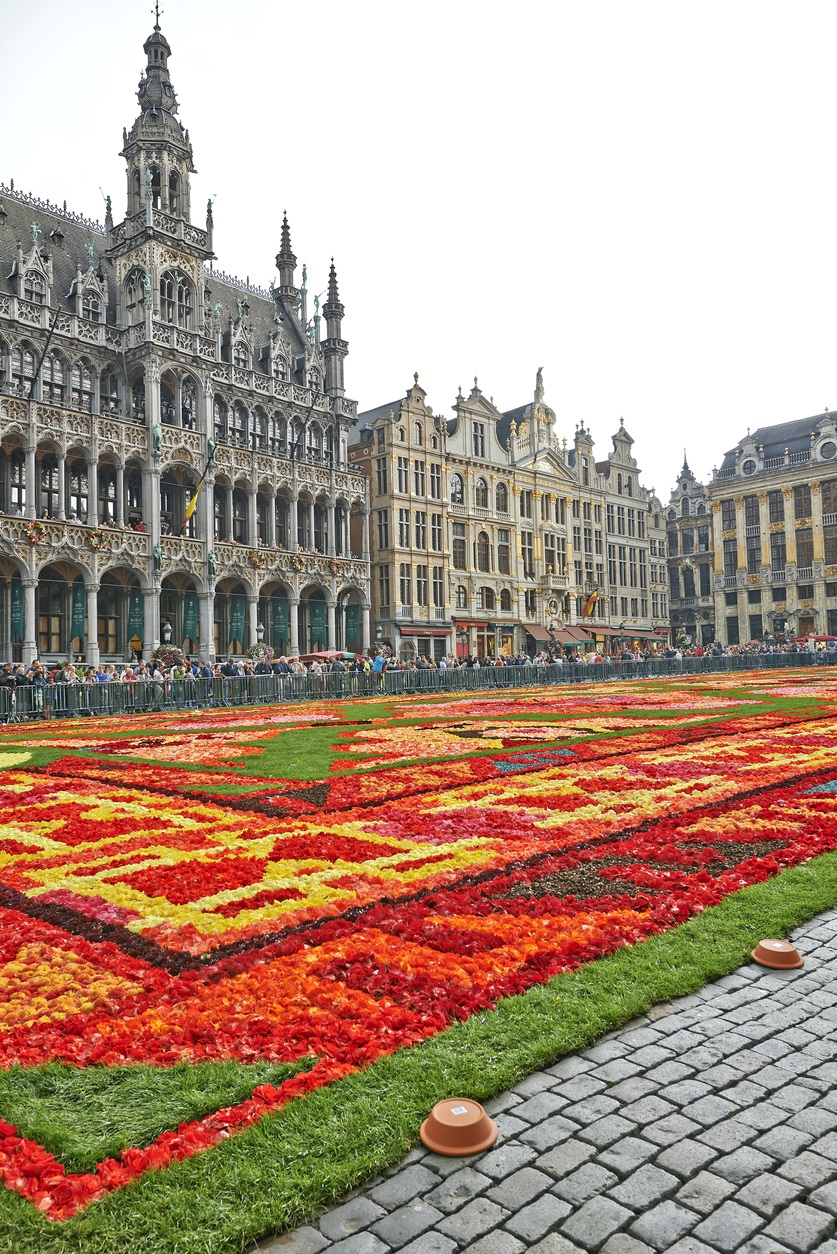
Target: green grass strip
<point x="293" y="1164"/>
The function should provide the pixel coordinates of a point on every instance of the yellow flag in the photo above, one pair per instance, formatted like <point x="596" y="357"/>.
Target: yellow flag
<point x="190" y="508"/>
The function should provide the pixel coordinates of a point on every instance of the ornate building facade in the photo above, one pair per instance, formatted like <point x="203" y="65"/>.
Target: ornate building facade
<point x="173" y="441"/>
<point x="691" y="562"/>
<point x="774" y="533"/>
<point x="490" y="536"/>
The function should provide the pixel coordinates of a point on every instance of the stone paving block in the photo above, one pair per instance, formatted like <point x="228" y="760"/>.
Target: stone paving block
<point x="497" y="1242"/>
<point x="825" y="1197"/>
<point x="544" y="1136"/>
<point x="664" y="1224"/>
<point x="584" y="1183"/>
<point x="444" y="1166"/>
<point x="581" y="1086"/>
<point x="407" y="1222"/>
<point x="745" y="1093"/>
<point x="672" y="1128"/>
<point x="404" y="1186"/>
<point x="631" y="1090"/>
<point x="686" y="1157"/>
<point x="800" y="1227"/>
<point x="651" y="1055"/>
<point x="622" y="1243"/>
<point x="569" y="1067"/>
<point x="684" y="1091"/>
<point x="756" y="1031"/>
<point x="809" y="1169"/>
<point x="729" y="1226"/>
<point x="615" y="1070"/>
<point x="647" y="1110"/>
<point x="826" y="1145"/>
<point x="501" y="1104"/>
<point x="760" y="1244"/>
<point x="350" y="1217"/>
<point x="502" y="1161"/>
<point x="626" y="1154"/>
<point x="565" y="1158"/>
<point x="645" y="1186"/>
<point x="430" y="1243"/>
<point x="541" y="1106"/>
<point x="605" y="1051"/>
<point x="797" y="1037"/>
<point x="729" y="1135"/>
<point x="709" y="1110"/>
<point x="783" y="1142"/>
<point x="304" y="1241"/>
<point x="681" y="1040"/>
<point x="519" y="1188"/>
<point x="532" y="1222"/>
<point x="767" y="1194"/>
<point x="762" y="1116"/>
<point x="605" y="1131"/>
<point x="816" y="1120"/>
<point x="532" y="1084"/>
<point x="705" y="1192"/>
<point x="595" y="1107"/>
<point x="459" y="1188"/>
<point x="797" y="1064"/>
<point x="746" y="1061"/>
<point x="668" y="1073"/>
<point x="595" y="1221"/>
<point x="473" y="1220"/>
<point x="508" y="1126"/>
<point x="774" y="1048"/>
<point x="690" y="1245"/>
<point x="638" y="1038"/>
<point x="360" y="1243"/>
<point x="794" y="1098"/>
<point x="829" y="1102"/>
<point x="742" y="1164"/>
<point x="554" y="1244"/>
<point x="721" y="1075"/>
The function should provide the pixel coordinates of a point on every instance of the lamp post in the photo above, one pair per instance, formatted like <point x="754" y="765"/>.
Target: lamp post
<point x="260" y="632"/>
<point x="167" y="632"/>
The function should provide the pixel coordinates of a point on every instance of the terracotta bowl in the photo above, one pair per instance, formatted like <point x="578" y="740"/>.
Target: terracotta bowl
<point x="778" y="954"/>
<point x="458" y="1127"/>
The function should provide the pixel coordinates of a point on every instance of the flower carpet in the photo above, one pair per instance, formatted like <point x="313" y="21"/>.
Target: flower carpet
<point x="284" y="897"/>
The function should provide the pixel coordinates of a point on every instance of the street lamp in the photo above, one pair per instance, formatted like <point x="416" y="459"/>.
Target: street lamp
<point x="167" y="631"/>
<point x="260" y="632"/>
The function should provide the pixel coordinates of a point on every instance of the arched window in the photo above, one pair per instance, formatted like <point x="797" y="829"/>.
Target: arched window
<point x="219" y="419"/>
<point x="135" y="291"/>
<point x="238" y="425"/>
<point x="488" y="599"/>
<point x="418" y="436"/>
<point x="241" y="357"/>
<point x="176" y="299"/>
<point x="77" y="494"/>
<point x="315" y="442"/>
<point x="461" y="598"/>
<point x="17" y="482"/>
<point x="481" y="494"/>
<point x="91" y="307"/>
<point x="81" y="387"/>
<point x="402" y="434"/>
<point x="138" y="400"/>
<point x="278" y="434"/>
<point x="34" y="287"/>
<point x="434" y="443"/>
<point x="23" y="369"/>
<point x="501" y="499"/>
<point x="619" y="484"/>
<point x="137" y="193"/>
<point x="505" y="600"/>
<point x="174" y="192"/>
<point x="684" y="507"/>
<point x="280" y="369"/>
<point x="240" y="528"/>
<point x="134" y="484"/>
<point x="53" y="379"/>
<point x="672" y="514"/>
<point x="49" y="486"/>
<point x="483" y="552"/>
<point x="109" y="393"/>
<point x="656" y="520"/>
<point x="258" y="429"/>
<point x="314" y="379"/>
<point x="457" y="494"/>
<point x="168" y="413"/>
<point x="188" y="404"/>
<point x="629" y="486"/>
<point x="155" y="188"/>
<point x="219" y="509"/>
<point x="107" y="493"/>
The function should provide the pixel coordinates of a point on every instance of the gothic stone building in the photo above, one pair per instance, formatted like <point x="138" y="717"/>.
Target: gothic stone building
<point x="489" y="535"/>
<point x="130" y="370"/>
<point x="690" y="561"/>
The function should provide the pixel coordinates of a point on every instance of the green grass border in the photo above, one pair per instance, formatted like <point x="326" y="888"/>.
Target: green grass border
<point x="292" y="1165"/>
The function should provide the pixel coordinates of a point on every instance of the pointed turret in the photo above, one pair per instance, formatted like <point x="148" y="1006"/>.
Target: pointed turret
<point x="286" y="263"/>
<point x="335" y="347"/>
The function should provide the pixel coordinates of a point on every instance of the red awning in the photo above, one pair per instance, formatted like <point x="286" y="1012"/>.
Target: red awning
<point x="537" y="632"/>
<point x="411" y="632"/>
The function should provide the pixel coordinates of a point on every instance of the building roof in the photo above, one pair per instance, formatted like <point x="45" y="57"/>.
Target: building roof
<point x="370" y="416"/>
<point x="794" y="436"/>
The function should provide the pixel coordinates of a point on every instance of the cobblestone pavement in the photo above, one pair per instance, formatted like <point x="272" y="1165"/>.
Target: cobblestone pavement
<point x="708" y="1126"/>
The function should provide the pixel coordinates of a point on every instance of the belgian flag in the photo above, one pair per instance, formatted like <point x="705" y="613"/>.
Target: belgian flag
<point x="590" y="605"/>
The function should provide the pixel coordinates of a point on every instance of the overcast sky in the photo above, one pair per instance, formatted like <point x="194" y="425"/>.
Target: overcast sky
<point x="638" y="197"/>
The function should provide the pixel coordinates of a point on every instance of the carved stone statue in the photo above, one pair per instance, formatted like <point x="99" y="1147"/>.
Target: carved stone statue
<point x="216" y="309"/>
<point x="304" y="275"/>
<point x="212" y="563"/>
<point x="211" y="449"/>
<point x="88" y="248"/>
<point x="36" y="230"/>
<point x="240" y="304"/>
<point x="316" y="306"/>
<point x="149" y="179"/>
<point x="108" y="207"/>
<point x="539" y="385"/>
<point x="158" y="556"/>
<point x="157" y="439"/>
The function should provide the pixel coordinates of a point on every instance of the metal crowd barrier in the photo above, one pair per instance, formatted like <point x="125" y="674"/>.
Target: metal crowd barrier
<point x="29" y="702"/>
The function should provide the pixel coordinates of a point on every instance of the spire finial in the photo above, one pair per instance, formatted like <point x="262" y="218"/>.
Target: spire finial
<point x="156" y="14"/>
<point x="415" y="378"/>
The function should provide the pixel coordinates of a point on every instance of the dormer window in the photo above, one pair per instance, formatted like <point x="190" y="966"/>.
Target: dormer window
<point x="241" y="357"/>
<point x="34" y="287"/>
<point x="91" y="307"/>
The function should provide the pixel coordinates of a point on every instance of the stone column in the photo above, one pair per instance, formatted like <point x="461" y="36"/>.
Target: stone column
<point x="365" y="533"/>
<point x="30" y="639"/>
<point x="151" y="620"/>
<point x="92" y="640"/>
<point x="331" y="545"/>
<point x="252" y="520"/>
<point x="310" y="544"/>
<point x="293" y="615"/>
<point x="120" y="494"/>
<point x="764" y="530"/>
<point x="252" y="616"/>
<point x="293" y="538"/>
<point x="271" y="518"/>
<point x="366" y="638"/>
<point x="331" y="613"/>
<point x="790" y="528"/>
<point x="31" y="482"/>
<point x="92" y="492"/>
<point x="207" y="627"/>
<point x="229" y="534"/>
<point x="816" y="521"/>
<point x="62" y="485"/>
